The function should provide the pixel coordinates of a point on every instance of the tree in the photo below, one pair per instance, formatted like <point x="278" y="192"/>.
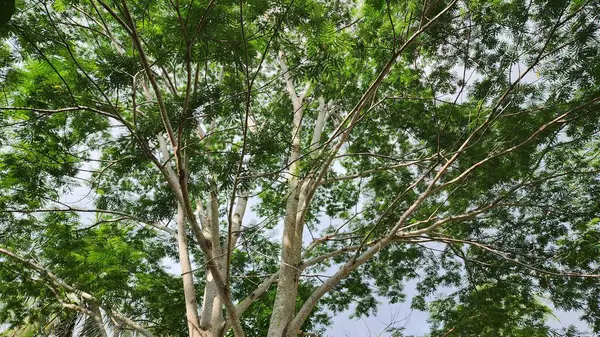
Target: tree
<point x="295" y="158"/>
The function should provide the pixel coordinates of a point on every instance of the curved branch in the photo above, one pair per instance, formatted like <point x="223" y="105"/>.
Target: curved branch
<point x="498" y="253"/>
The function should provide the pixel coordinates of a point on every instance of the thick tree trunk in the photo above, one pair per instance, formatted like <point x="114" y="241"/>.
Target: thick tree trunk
<point x="319" y="124"/>
<point x="212" y="306"/>
<point x="191" y="303"/>
<point x="238" y="216"/>
<point x="284" y="307"/>
<point x="287" y="287"/>
<point x="99" y="320"/>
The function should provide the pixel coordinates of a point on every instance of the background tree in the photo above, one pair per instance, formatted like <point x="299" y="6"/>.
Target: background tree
<point x="294" y="158"/>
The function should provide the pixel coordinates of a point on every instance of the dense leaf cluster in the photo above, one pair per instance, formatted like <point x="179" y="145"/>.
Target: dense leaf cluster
<point x="501" y="98"/>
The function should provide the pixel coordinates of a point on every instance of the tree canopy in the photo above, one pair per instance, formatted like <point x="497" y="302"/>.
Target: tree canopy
<point x="251" y="168"/>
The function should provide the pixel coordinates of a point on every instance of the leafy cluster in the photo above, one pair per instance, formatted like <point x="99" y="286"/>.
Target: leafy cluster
<point x="459" y="151"/>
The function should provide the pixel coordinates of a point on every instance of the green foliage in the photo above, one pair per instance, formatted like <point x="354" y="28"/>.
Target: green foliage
<point x="501" y="98"/>
<point x="7" y="7"/>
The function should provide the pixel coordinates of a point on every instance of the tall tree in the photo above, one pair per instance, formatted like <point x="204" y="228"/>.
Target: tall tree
<point x="293" y="158"/>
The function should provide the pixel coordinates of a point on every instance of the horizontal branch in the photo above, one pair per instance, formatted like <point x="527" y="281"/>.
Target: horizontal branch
<point x="498" y="253"/>
<point x="171" y="232"/>
<point x="74" y="108"/>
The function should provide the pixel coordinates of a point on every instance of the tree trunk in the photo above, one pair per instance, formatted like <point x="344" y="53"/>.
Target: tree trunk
<point x="287" y="287"/>
<point x="212" y="306"/>
<point x="284" y="307"/>
<point x="189" y="291"/>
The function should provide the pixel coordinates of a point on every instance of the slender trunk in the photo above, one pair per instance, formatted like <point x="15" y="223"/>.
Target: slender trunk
<point x="319" y="125"/>
<point x="212" y="306"/>
<point x="98" y="319"/>
<point x="208" y="301"/>
<point x="217" y="314"/>
<point x="287" y="286"/>
<point x="212" y="315"/>
<point x="189" y="291"/>
<point x="284" y="307"/>
<point x="238" y="216"/>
